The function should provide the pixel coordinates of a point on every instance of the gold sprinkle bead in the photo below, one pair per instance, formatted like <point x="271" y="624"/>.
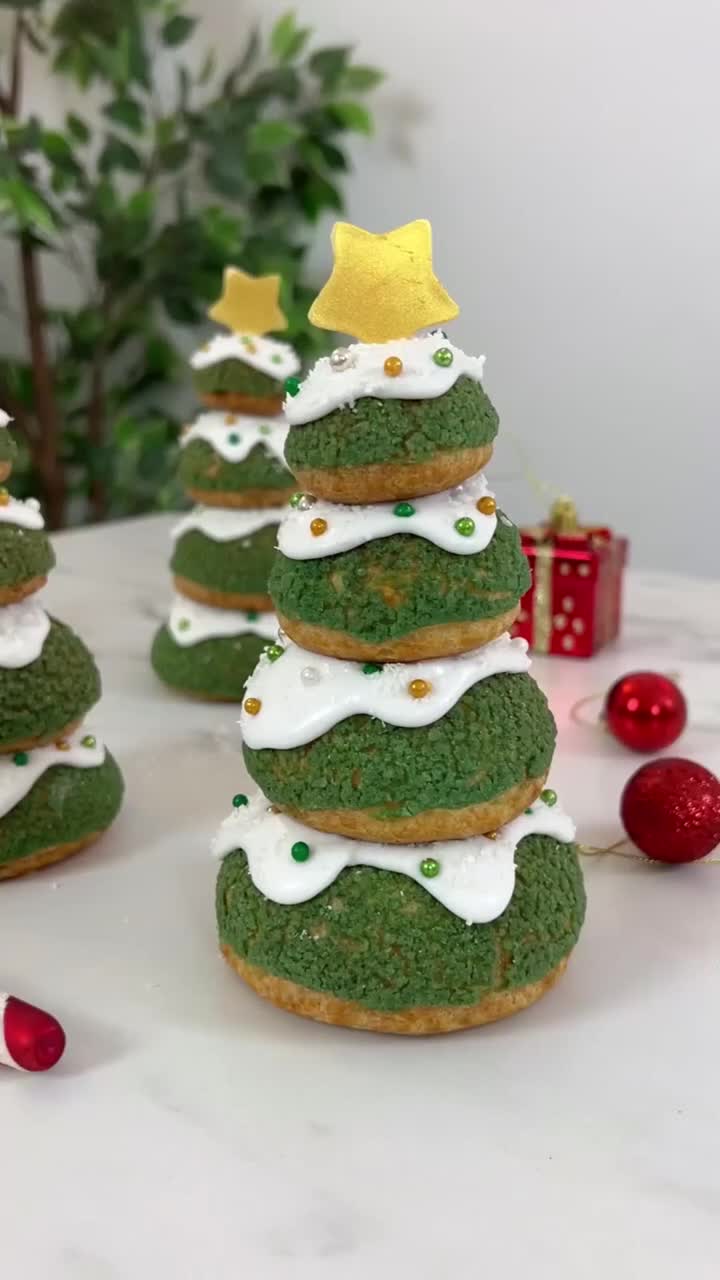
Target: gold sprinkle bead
<point x="62" y="744"/>
<point x="230" y="418"/>
<point x="318" y="527"/>
<point x="487" y="506"/>
<point x="419" y="688"/>
<point x="252" y="706"/>
<point x="4" y="498"/>
<point x="393" y="366"/>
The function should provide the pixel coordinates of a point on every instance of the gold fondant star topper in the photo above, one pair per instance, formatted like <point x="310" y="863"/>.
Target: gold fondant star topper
<point x="382" y="286"/>
<point x="248" y="304"/>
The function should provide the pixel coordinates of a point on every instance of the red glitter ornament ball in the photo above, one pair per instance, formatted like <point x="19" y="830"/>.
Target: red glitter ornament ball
<point x="645" y="711"/>
<point x="670" y="809"/>
<point x="30" y="1038"/>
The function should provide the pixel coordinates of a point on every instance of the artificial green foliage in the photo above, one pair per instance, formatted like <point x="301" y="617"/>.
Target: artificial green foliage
<point x="187" y="161"/>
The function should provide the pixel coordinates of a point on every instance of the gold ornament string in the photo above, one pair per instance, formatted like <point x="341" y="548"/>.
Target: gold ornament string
<point x="622" y="849"/>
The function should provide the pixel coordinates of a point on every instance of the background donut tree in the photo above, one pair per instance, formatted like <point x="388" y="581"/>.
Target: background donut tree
<point x="179" y="168"/>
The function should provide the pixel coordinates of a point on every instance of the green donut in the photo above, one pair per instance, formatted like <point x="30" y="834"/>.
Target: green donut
<point x="8" y="447"/>
<point x="499" y="734"/>
<point x="24" y="554"/>
<point x="214" y="669"/>
<point x="65" y="805"/>
<point x="393" y="586"/>
<point x="378" y="938"/>
<point x="202" y="468"/>
<point x="375" y="431"/>
<point x="234" y="375"/>
<point x="241" y="565"/>
<point x="49" y="694"/>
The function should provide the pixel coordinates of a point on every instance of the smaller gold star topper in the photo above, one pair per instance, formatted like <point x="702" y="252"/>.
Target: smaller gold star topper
<point x="382" y="286"/>
<point x="248" y="304"/>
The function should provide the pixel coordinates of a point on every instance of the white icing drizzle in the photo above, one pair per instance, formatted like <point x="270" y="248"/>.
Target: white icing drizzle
<point x="434" y="520"/>
<point x="25" y="514"/>
<point x="326" y="387"/>
<point x="224" y="524"/>
<point x="190" y="623"/>
<point x="234" y="440"/>
<point x="475" y="881"/>
<point x="277" y="359"/>
<point x="17" y="780"/>
<point x="296" y="709"/>
<point x="23" y="631"/>
<point x="5" y="418"/>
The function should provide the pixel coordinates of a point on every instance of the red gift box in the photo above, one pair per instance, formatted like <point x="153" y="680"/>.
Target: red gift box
<point x="573" y="605"/>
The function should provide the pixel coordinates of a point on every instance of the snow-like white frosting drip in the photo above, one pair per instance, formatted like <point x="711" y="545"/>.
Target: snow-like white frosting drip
<point x="5" y="418"/>
<point x="26" y="514"/>
<point x="23" y="631"/>
<point x="434" y="518"/>
<point x="302" y="694"/>
<point x="234" y="440"/>
<point x="329" y="385"/>
<point x="190" y="623"/>
<point x="224" y="524"/>
<point x="276" y="359"/>
<point x="16" y="780"/>
<point x="475" y="878"/>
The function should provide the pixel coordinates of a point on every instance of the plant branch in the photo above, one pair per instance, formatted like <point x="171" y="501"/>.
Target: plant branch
<point x="96" y="418"/>
<point x="47" y="451"/>
<point x="16" y="67"/>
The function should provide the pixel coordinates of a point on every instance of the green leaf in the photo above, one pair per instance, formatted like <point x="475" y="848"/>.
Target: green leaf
<point x="32" y="212"/>
<point x="352" y="116"/>
<point x="56" y="147"/>
<point x="177" y="30"/>
<point x="77" y="127"/>
<point x="283" y="36"/>
<point x="117" y="154"/>
<point x="173" y="155"/>
<point x="207" y="68"/>
<point x="362" y="78"/>
<point x="273" y="135"/>
<point x="126" y="111"/>
<point x="329" y="64"/>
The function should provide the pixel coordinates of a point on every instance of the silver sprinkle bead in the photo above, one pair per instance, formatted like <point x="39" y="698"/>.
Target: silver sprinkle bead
<point x="306" y="502"/>
<point x="310" y="675"/>
<point x="341" y="359"/>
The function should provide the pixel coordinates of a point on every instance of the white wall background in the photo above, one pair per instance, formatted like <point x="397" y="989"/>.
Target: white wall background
<point x="567" y="154"/>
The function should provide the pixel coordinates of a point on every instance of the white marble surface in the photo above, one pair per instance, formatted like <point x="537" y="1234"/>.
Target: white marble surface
<point x="192" y="1131"/>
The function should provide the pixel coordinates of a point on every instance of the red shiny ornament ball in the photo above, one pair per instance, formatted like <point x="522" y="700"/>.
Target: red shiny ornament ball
<point x="645" y="711"/>
<point x="670" y="809"/>
<point x="33" y="1039"/>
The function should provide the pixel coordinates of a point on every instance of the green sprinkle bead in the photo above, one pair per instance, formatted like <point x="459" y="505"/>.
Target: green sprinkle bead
<point x="549" y="797"/>
<point x="88" y="741"/>
<point x="371" y="668"/>
<point x="300" y="851"/>
<point x="183" y="624"/>
<point x="264" y="431"/>
<point x="274" y="651"/>
<point x="21" y="757"/>
<point x="276" y="359"/>
<point x="404" y="509"/>
<point x="239" y="800"/>
<point x="430" y="867"/>
<point x="528" y="810"/>
<point x="444" y="357"/>
<point x="233" y="438"/>
<point x="252" y="615"/>
<point x="292" y="386"/>
<point x="465" y="526"/>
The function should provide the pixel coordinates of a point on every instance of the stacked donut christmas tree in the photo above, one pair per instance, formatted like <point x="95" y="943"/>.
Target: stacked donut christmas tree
<point x="59" y="787"/>
<point x="232" y="467"/>
<point x="406" y="869"/>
